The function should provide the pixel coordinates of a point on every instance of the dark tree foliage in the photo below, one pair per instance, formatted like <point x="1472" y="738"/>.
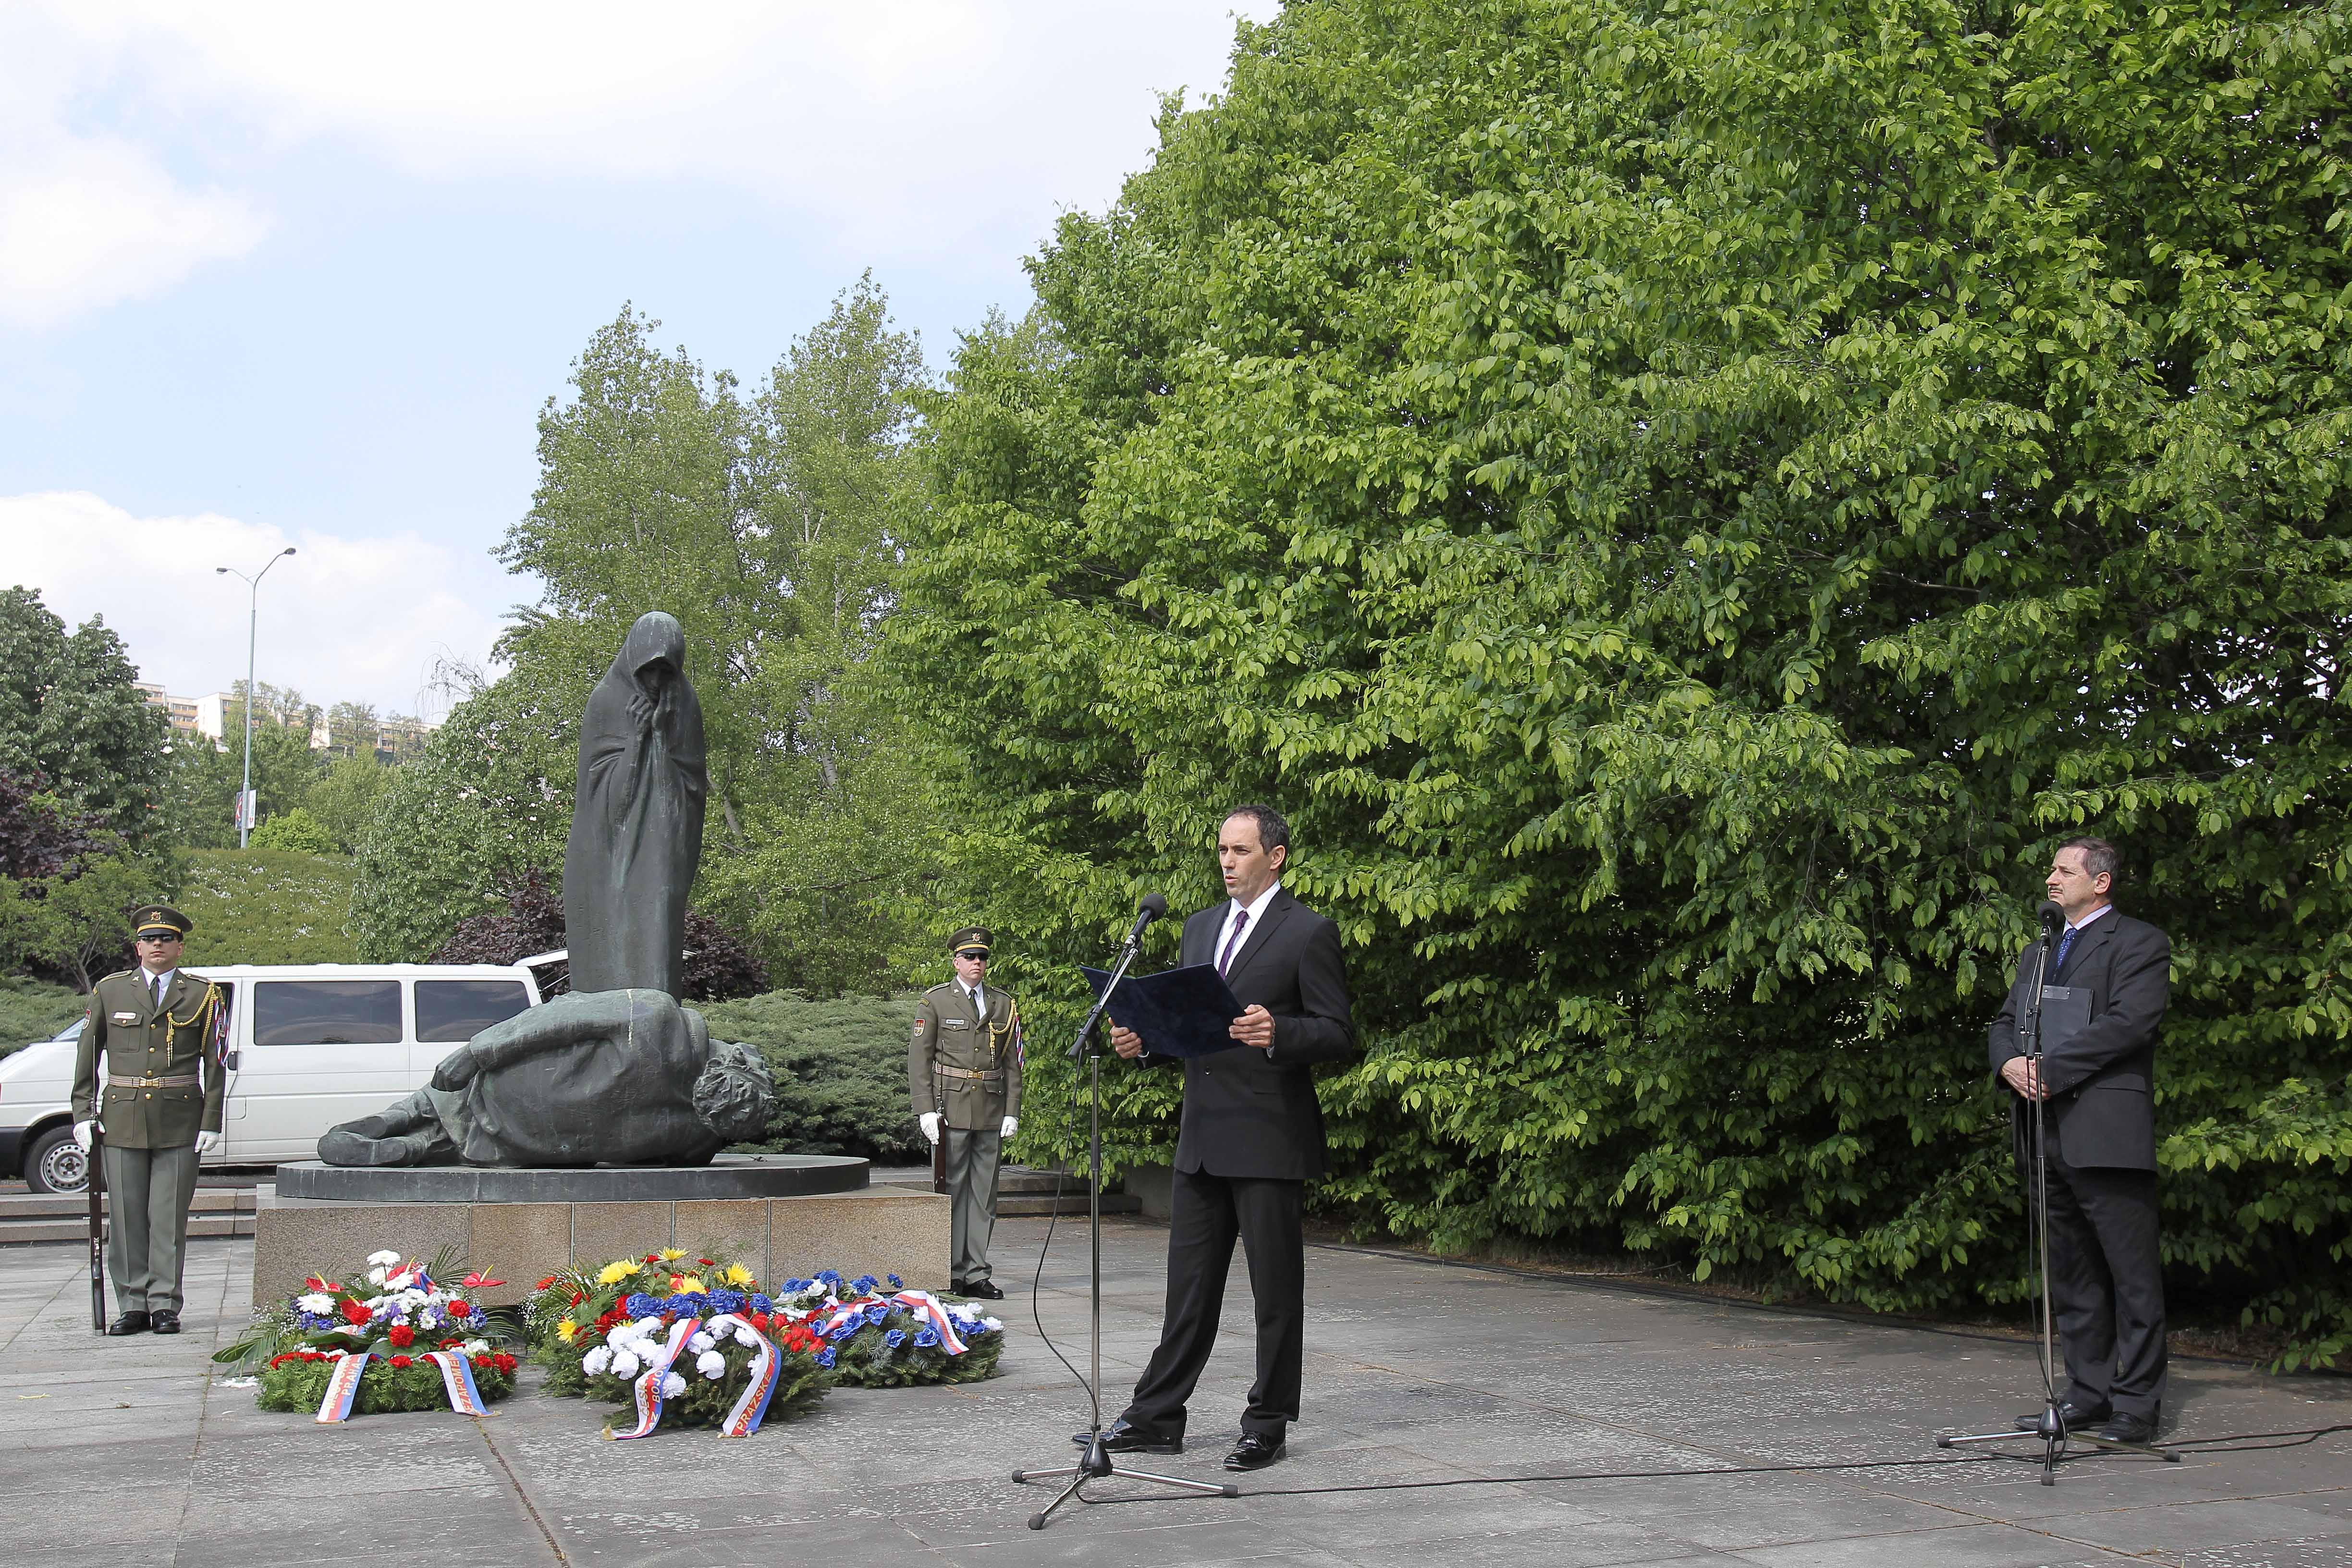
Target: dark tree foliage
<point x="70" y="711"/>
<point x="719" y="967"/>
<point x="1688" y="507"/>
<point x="40" y="836"/>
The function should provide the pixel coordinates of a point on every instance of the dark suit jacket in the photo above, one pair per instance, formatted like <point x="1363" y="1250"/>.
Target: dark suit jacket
<point x="1254" y="1113"/>
<point x="2102" y="1081"/>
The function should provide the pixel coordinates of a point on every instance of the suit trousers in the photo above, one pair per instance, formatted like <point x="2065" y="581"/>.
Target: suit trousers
<point x="1206" y="1213"/>
<point x="973" y="1160"/>
<point x="147" y="1196"/>
<point x="2106" y="1284"/>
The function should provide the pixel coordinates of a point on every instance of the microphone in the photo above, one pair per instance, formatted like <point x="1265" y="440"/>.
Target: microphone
<point x="2051" y="917"/>
<point x="1152" y="907"/>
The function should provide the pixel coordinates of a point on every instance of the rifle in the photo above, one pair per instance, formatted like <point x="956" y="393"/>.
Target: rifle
<point x="939" y="1149"/>
<point x="97" y="1184"/>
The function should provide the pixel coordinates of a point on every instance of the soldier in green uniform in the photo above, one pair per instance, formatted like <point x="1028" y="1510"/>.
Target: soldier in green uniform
<point x="160" y="1112"/>
<point x="963" y="1069"/>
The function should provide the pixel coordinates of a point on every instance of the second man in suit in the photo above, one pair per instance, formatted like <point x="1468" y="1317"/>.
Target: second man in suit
<point x="2106" y="1276"/>
<point x="1251" y="1139"/>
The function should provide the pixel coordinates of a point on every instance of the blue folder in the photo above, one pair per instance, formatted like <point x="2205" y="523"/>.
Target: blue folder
<point x="1186" y="1012"/>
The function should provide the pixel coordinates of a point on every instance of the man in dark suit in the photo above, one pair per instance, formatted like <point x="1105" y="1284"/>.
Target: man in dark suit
<point x="2106" y="1279"/>
<point x="1252" y="1138"/>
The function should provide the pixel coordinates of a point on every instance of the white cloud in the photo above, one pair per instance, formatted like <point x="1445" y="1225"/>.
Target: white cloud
<point x="913" y="122"/>
<point x="360" y="620"/>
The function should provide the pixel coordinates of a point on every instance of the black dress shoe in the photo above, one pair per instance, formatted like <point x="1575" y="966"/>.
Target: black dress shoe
<point x="164" y="1322"/>
<point x="2078" y="1417"/>
<point x="1256" y="1451"/>
<point x="2127" y="1430"/>
<point x="980" y="1290"/>
<point x="1122" y="1436"/>
<point x="129" y="1323"/>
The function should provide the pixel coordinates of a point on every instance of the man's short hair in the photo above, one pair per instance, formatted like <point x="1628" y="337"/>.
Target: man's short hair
<point x="1272" y="832"/>
<point x="2099" y="858"/>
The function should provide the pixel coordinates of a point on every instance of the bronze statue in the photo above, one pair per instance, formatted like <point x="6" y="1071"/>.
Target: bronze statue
<point x="617" y="1072"/>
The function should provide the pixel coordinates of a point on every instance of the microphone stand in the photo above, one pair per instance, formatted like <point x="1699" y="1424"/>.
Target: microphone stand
<point x="1098" y="1463"/>
<point x="2052" y="1429"/>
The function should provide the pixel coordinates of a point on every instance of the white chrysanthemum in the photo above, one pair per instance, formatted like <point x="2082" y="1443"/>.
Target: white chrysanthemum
<point x="375" y="1276"/>
<point x="991" y="1325"/>
<point x="475" y="1347"/>
<point x="596" y="1361"/>
<point x="711" y="1364"/>
<point x="623" y="1365"/>
<point x="746" y="1336"/>
<point x="699" y="1342"/>
<point x="673" y="1385"/>
<point x="316" y="1302"/>
<point x="383" y="1259"/>
<point x="649" y="1327"/>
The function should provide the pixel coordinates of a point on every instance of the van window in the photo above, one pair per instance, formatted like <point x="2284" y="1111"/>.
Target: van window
<point x="326" y="1011"/>
<point x="460" y="1009"/>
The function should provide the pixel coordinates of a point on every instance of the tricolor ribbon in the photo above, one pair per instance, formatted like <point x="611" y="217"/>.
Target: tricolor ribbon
<point x="925" y="1306"/>
<point x="648" y="1385"/>
<point x="457" y="1381"/>
<point x="752" y="1407"/>
<point x="342" y="1387"/>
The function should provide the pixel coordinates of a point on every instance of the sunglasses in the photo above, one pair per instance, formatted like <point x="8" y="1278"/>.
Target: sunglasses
<point x="160" y="939"/>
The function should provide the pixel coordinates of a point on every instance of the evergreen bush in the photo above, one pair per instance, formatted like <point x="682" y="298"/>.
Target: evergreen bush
<point x="840" y="1069"/>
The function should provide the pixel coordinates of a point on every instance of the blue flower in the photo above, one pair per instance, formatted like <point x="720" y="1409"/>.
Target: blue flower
<point x="894" y="1338"/>
<point x="824" y="1356"/>
<point x="926" y="1338"/>
<point x="878" y="1314"/>
<point x="863" y="1283"/>
<point x="846" y="1327"/>
<point x="640" y="1305"/>
<point x="895" y="1283"/>
<point x="761" y="1303"/>
<point x="727" y="1300"/>
<point x="827" y="1276"/>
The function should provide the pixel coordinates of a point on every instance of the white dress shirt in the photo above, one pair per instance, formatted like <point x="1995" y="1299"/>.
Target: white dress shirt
<point x="2087" y="920"/>
<point x="1235" y="909"/>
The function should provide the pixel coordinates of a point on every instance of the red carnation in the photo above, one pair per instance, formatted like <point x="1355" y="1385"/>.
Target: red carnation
<point x="506" y="1362"/>
<point x="653" y="1258"/>
<point x="759" y="1321"/>
<point x="401" y="1361"/>
<point x="401" y="1336"/>
<point x="451" y="1344"/>
<point x="578" y="1297"/>
<point x="354" y="1311"/>
<point x="458" y="1308"/>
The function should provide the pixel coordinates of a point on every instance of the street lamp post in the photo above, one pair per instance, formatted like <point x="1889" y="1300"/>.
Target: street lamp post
<point x="252" y="628"/>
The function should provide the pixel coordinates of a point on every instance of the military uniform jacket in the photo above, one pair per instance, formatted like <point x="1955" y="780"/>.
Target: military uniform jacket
<point x="143" y="1042"/>
<point x="968" y="1066"/>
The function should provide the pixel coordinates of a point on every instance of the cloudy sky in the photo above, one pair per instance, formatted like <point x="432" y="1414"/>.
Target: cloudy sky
<point x="290" y="273"/>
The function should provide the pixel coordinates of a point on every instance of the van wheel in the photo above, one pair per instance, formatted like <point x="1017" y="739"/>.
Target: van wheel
<point x="56" y="1164"/>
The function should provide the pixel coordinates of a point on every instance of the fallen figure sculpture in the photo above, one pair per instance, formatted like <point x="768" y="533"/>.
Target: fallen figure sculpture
<point x="620" y="1078"/>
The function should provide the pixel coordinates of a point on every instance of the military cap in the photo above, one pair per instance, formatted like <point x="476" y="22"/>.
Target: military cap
<point x="154" y="918"/>
<point x="970" y="942"/>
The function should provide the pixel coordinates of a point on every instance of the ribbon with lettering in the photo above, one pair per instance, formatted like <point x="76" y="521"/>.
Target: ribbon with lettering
<point x="648" y="1389"/>
<point x="752" y="1408"/>
<point x="458" y="1382"/>
<point x="342" y="1387"/>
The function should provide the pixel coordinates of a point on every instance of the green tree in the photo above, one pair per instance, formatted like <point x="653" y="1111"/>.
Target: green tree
<point x="70" y="711"/>
<point x="295" y="830"/>
<point x="345" y="796"/>
<point x="78" y="927"/>
<point x="1688" y="507"/>
<point x="768" y="526"/>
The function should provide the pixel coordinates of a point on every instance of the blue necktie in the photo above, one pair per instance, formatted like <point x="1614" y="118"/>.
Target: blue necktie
<point x="2063" y="943"/>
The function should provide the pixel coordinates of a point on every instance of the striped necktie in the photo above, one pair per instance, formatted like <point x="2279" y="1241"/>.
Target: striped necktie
<point x="1233" y="942"/>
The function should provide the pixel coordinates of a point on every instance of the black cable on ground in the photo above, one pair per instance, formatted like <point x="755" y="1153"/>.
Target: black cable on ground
<point x="1036" y="1289"/>
<point x="2238" y="1443"/>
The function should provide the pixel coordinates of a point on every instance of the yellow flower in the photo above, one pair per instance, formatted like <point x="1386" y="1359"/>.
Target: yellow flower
<point x="690" y="1284"/>
<point x="616" y="1272"/>
<point x="564" y="1329"/>
<point x="736" y="1275"/>
<point x="670" y="1252"/>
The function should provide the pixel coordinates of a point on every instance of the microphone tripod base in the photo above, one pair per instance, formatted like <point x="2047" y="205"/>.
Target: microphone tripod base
<point x="1096" y="1466"/>
<point x="2052" y="1433"/>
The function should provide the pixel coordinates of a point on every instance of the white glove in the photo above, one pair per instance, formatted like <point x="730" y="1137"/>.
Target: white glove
<point x="81" y="1134"/>
<point x="929" y="1122"/>
<point x="1012" y="1125"/>
<point x="207" y="1142"/>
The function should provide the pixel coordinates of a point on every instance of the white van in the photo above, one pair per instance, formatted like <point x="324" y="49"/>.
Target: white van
<point x="311" y="1045"/>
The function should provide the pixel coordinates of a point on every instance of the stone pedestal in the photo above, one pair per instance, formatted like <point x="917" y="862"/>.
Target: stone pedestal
<point x="783" y="1216"/>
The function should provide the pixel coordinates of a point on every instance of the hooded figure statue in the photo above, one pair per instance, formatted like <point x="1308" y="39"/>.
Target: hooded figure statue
<point x="637" y="817"/>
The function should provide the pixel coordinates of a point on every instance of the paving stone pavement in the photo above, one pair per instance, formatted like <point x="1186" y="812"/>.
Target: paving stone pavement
<point x="127" y="1451"/>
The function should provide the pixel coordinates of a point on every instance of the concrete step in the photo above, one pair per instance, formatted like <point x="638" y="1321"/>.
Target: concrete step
<point x="15" y="1230"/>
<point x="1023" y="1205"/>
<point x="76" y="1205"/>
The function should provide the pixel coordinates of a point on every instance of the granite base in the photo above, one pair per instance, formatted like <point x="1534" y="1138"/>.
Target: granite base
<point x="877" y="1230"/>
